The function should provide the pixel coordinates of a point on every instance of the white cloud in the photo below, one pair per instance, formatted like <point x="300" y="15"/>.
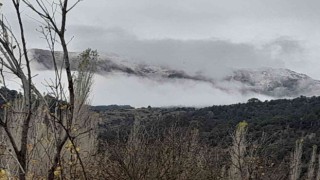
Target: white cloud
<point x="141" y="92"/>
<point x="208" y="36"/>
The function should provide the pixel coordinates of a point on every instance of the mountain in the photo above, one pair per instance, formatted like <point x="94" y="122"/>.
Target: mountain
<point x="273" y="82"/>
<point x="112" y="64"/>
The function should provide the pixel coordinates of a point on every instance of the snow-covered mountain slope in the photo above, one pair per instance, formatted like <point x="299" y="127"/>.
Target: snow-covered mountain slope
<point x="272" y="82"/>
<point x="108" y="64"/>
<point x="275" y="82"/>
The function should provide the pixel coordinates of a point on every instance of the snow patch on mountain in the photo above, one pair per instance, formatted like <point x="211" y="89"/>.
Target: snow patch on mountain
<point x="273" y="82"/>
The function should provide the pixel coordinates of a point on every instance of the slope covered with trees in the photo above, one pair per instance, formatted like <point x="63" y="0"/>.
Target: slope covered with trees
<point x="275" y="139"/>
<point x="282" y="121"/>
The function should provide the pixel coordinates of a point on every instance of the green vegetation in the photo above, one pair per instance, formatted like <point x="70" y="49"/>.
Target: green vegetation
<point x="272" y="130"/>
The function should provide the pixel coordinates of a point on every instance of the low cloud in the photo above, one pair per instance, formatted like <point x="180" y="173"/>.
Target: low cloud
<point x="121" y="89"/>
<point x="211" y="57"/>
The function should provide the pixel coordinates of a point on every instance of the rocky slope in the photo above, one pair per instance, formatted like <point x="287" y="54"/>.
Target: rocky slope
<point x="275" y="82"/>
<point x="266" y="81"/>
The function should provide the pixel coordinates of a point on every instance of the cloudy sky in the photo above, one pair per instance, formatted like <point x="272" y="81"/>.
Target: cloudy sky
<point x="207" y="36"/>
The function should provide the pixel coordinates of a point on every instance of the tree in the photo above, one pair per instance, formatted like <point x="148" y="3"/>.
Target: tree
<point x="238" y="169"/>
<point x="52" y="126"/>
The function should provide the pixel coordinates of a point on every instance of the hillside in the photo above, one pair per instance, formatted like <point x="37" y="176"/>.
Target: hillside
<point x="282" y="121"/>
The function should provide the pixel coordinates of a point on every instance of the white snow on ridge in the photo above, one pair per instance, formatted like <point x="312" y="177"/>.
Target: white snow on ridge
<point x="120" y="81"/>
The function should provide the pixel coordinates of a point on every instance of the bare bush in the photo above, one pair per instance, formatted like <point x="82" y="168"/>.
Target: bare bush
<point x="45" y="135"/>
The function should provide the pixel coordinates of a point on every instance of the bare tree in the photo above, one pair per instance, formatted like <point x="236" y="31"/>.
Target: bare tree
<point x="238" y="168"/>
<point x="48" y="127"/>
<point x="295" y="164"/>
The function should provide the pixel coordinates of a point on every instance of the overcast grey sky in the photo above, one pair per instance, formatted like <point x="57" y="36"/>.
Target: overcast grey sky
<point x="198" y="34"/>
<point x="207" y="36"/>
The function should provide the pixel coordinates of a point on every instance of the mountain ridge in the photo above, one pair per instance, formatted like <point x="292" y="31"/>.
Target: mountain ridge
<point x="274" y="82"/>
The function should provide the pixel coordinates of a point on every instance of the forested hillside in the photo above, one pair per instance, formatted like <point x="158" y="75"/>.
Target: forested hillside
<point x="282" y="121"/>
